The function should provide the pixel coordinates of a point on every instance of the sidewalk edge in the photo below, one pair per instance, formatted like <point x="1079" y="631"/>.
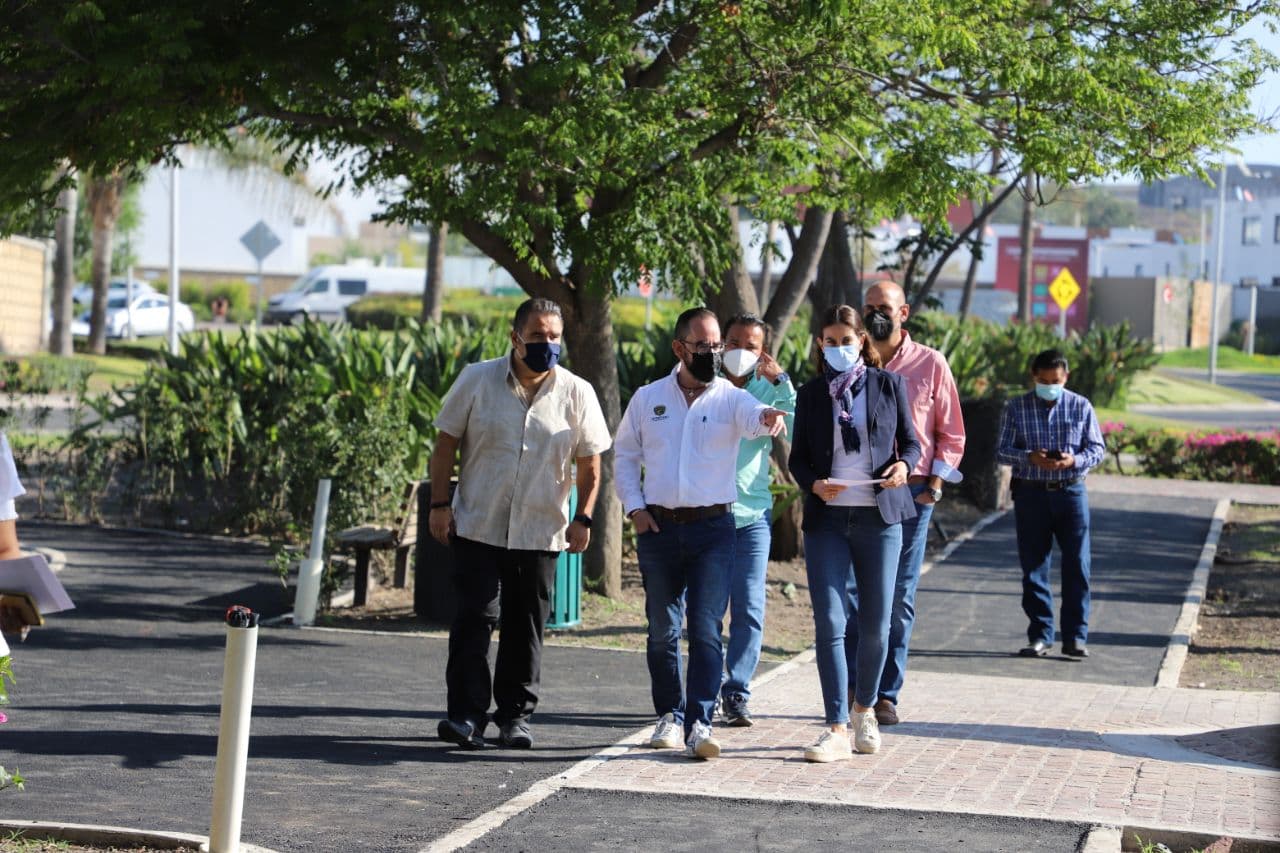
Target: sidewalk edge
<point x="90" y="833"/>
<point x="1184" y="629"/>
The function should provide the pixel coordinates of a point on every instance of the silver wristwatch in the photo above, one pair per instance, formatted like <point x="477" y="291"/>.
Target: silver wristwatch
<point x="936" y="494"/>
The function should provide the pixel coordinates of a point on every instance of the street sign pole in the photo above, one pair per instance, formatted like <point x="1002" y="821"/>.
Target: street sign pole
<point x="1064" y="291"/>
<point x="258" y="313"/>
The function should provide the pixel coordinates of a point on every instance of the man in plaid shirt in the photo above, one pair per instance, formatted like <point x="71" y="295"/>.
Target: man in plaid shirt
<point x="1051" y="438"/>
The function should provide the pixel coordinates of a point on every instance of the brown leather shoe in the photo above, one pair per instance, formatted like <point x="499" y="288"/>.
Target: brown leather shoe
<point x="886" y="713"/>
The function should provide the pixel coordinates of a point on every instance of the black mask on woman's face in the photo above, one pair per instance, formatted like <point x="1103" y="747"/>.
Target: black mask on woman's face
<point x="704" y="366"/>
<point x="879" y="325"/>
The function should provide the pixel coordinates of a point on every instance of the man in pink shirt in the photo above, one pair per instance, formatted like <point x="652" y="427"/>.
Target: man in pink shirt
<point x="935" y="414"/>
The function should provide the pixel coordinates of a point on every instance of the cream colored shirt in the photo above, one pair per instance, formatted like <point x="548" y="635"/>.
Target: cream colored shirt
<point x="10" y="488"/>
<point x="516" y="466"/>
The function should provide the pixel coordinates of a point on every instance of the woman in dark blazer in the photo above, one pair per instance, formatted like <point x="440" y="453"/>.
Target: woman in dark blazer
<point x="853" y="425"/>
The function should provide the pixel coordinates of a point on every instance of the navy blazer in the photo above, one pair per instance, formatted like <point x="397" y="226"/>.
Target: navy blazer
<point x="893" y="439"/>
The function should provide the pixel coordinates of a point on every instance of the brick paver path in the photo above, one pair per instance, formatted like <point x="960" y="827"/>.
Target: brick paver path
<point x="1004" y="746"/>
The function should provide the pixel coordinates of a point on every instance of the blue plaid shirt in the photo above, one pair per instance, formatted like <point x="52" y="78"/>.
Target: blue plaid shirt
<point x="1069" y="425"/>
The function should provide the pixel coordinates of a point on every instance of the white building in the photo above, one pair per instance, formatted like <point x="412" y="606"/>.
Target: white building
<point x="216" y="206"/>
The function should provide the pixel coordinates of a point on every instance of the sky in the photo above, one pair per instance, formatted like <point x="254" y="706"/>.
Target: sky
<point x="1262" y="149"/>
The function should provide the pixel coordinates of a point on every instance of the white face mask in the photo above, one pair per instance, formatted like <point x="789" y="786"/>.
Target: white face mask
<point x="739" y="362"/>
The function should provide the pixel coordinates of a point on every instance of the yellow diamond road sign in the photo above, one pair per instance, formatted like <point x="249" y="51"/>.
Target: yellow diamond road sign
<point x="1064" y="289"/>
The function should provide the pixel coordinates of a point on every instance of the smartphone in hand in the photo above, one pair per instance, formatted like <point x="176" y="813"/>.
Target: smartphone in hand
<point x="1053" y="454"/>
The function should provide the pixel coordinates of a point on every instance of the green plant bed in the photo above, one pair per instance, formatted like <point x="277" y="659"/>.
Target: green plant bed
<point x="1228" y="359"/>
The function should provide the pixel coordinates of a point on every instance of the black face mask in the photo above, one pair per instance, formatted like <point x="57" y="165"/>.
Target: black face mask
<point x="879" y="325"/>
<point x="704" y="366"/>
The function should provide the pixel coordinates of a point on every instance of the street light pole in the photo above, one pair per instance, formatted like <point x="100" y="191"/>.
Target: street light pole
<point x="1217" y="274"/>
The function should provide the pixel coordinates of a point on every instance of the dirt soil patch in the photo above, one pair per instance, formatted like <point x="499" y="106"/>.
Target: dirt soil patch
<point x="620" y="623"/>
<point x="46" y="845"/>
<point x="1237" y="644"/>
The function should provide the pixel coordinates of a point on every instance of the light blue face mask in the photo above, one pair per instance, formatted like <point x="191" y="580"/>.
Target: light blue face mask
<point x="1049" y="393"/>
<point x="842" y="358"/>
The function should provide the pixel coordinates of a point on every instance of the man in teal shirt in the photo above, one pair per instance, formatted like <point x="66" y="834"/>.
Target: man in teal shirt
<point x="747" y="364"/>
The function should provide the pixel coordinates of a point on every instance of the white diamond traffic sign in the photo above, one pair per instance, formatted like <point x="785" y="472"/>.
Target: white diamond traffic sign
<point x="1064" y="289"/>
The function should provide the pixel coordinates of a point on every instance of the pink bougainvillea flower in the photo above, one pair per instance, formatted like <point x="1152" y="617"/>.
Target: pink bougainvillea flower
<point x="3" y="718"/>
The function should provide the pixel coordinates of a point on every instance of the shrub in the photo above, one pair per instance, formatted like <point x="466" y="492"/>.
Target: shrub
<point x="384" y="311"/>
<point x="1220" y="456"/>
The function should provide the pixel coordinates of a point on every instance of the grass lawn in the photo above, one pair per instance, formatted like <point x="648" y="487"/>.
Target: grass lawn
<point x="1144" y="422"/>
<point x="1154" y="387"/>
<point x="1229" y="358"/>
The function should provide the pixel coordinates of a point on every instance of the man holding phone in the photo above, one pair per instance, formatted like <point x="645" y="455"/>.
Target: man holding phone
<point x="1051" y="438"/>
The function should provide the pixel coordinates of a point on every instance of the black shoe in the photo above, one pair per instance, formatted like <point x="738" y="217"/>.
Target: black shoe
<point x="734" y="711"/>
<point x="461" y="733"/>
<point x="515" y="735"/>
<point x="1036" y="649"/>
<point x="1075" y="650"/>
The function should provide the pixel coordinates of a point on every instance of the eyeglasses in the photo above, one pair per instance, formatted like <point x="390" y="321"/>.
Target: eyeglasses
<point x="702" y="347"/>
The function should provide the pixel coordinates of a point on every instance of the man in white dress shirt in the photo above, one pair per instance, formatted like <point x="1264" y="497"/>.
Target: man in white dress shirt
<point x="676" y="456"/>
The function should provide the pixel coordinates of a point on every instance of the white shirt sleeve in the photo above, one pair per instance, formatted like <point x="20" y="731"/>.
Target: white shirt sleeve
<point x="593" y="438"/>
<point x="747" y="413"/>
<point x="455" y="410"/>
<point x="10" y="486"/>
<point x="628" y="457"/>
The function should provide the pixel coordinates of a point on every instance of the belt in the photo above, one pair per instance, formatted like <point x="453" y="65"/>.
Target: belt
<point x="686" y="514"/>
<point x="1048" y="485"/>
<point x="917" y="479"/>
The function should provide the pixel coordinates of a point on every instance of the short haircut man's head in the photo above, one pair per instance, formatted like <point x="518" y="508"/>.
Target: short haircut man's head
<point x="685" y="320"/>
<point x="750" y="321"/>
<point x="1050" y="359"/>
<point x="535" y="307"/>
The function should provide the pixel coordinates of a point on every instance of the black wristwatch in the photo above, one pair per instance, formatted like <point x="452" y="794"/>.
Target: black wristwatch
<point x="583" y="519"/>
<point x="781" y="377"/>
<point x="441" y="504"/>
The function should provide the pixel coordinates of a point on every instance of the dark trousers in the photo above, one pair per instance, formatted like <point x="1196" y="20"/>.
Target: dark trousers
<point x="1042" y="516"/>
<point x="510" y="589"/>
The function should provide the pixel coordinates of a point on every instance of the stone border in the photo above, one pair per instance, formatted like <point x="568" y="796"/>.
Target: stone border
<point x="118" y="836"/>
<point x="1175" y="655"/>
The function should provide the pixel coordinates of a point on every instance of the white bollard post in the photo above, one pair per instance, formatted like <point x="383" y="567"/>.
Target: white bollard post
<point x="233" y="730"/>
<point x="307" y="597"/>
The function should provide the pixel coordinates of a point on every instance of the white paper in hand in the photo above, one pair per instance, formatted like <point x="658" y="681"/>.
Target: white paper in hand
<point x="32" y="575"/>
<point x="838" y="482"/>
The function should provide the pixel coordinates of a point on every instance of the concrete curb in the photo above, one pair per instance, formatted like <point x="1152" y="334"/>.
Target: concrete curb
<point x="1101" y="839"/>
<point x="88" y="833"/>
<point x="1175" y="655"/>
<point x="1137" y="837"/>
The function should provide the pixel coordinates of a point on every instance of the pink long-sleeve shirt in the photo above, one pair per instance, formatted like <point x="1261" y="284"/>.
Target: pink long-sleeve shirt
<point x="935" y="408"/>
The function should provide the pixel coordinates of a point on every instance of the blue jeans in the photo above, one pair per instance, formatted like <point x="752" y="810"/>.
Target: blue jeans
<point x="1041" y="516"/>
<point x="915" y="538"/>
<point x="686" y="567"/>
<point x="841" y="542"/>
<point x="746" y="606"/>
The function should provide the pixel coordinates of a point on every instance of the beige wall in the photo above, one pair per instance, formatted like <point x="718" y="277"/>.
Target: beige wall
<point x="22" y="296"/>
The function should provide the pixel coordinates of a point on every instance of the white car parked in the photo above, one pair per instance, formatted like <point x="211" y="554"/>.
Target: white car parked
<point x="150" y="316"/>
<point x="83" y="293"/>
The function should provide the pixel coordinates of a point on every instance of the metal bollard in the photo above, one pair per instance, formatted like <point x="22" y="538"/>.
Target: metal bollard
<point x="233" y="730"/>
<point x="307" y="597"/>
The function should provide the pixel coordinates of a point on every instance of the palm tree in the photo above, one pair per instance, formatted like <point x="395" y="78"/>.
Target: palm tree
<point x="104" y="198"/>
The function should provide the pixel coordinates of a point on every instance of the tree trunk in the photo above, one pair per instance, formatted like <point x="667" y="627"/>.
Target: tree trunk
<point x="589" y="334"/>
<point x="103" y="199"/>
<point x="836" y="281"/>
<point x="795" y="282"/>
<point x="737" y="294"/>
<point x="764" y="292"/>
<point x="433" y="289"/>
<point x="64" y="278"/>
<point x="1026" y="237"/>
<point x="971" y="277"/>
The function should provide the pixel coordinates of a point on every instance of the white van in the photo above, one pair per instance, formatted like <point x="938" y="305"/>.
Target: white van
<point x="325" y="292"/>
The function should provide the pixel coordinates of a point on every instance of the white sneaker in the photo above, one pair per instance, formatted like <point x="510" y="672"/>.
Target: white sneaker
<point x="866" y="731"/>
<point x="701" y="744"/>
<point x="667" y="734"/>
<point x="831" y="746"/>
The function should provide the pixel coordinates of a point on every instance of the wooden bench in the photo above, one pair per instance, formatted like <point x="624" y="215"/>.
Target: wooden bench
<point x="401" y="535"/>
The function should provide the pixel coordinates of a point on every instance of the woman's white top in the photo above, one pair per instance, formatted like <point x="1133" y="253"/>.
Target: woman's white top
<point x="10" y="486"/>
<point x="852" y="466"/>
